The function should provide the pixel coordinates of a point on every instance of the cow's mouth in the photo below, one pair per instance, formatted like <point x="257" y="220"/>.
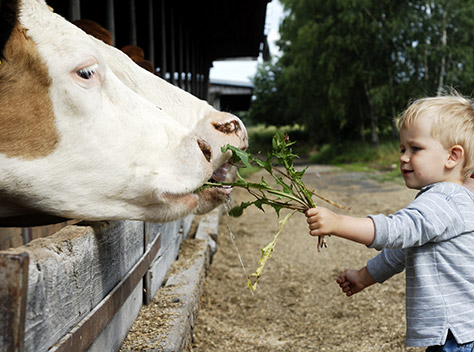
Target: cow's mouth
<point x="221" y="175"/>
<point x="211" y="197"/>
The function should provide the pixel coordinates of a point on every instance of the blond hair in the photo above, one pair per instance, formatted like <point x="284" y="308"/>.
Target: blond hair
<point x="453" y="123"/>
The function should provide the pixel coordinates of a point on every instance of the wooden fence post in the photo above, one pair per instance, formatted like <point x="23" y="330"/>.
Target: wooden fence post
<point x="13" y="298"/>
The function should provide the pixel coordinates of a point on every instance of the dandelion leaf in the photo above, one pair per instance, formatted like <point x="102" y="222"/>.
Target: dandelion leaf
<point x="267" y="254"/>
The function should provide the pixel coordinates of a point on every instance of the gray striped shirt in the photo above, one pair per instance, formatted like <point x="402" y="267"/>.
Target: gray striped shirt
<point x="433" y="240"/>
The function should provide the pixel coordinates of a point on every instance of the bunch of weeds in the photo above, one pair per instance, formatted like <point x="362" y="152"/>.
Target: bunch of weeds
<point x="290" y="191"/>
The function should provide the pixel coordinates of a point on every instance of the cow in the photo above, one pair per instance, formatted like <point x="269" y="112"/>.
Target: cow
<point x="95" y="29"/>
<point x="85" y="133"/>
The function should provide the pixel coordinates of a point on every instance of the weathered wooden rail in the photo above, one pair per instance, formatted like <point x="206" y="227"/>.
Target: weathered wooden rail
<point x="82" y="288"/>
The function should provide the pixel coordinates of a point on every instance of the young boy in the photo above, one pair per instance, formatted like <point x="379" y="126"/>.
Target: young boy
<point x="433" y="237"/>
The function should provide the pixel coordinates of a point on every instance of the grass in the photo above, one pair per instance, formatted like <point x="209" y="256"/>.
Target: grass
<point x="261" y="135"/>
<point x="380" y="163"/>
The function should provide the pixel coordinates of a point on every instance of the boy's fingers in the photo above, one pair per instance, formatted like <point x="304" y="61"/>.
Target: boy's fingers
<point x="311" y="212"/>
<point x="341" y="278"/>
<point x="311" y="219"/>
<point x="345" y="285"/>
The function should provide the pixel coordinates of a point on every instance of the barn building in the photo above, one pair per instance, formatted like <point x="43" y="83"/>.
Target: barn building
<point x="181" y="38"/>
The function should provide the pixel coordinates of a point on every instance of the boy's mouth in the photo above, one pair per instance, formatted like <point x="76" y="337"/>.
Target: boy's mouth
<point x="406" y="172"/>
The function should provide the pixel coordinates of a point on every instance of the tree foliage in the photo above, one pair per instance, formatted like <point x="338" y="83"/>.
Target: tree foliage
<point x="348" y="67"/>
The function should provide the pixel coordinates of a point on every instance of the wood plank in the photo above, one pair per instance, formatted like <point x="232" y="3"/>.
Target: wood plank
<point x="208" y="229"/>
<point x="159" y="270"/>
<point x="152" y="230"/>
<point x="10" y="237"/>
<point x="72" y="271"/>
<point x="13" y="293"/>
<point x="92" y="325"/>
<point x="186" y="224"/>
<point x="172" y="235"/>
<point x="111" y="338"/>
<point x="169" y="230"/>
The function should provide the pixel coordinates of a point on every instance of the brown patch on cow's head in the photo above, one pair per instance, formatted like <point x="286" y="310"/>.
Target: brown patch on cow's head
<point x="28" y="129"/>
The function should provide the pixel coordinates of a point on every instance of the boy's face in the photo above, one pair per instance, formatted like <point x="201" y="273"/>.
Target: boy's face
<point x="423" y="158"/>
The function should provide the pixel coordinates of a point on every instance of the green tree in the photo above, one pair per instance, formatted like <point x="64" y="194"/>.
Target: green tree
<point x="350" y="66"/>
<point x="269" y="107"/>
<point x="334" y="66"/>
<point x="437" y="39"/>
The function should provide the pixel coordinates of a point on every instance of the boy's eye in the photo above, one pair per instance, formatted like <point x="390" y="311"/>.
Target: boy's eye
<point x="402" y="150"/>
<point x="415" y="149"/>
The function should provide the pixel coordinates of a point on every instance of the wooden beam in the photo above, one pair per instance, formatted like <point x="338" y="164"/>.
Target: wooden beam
<point x="110" y="18"/>
<point x="188" y="61"/>
<point x="173" y="47"/>
<point x="151" y="33"/>
<point x="13" y="299"/>
<point x="74" y="10"/>
<point x="133" y="23"/>
<point x="194" y="73"/>
<point x="163" y="65"/>
<point x="91" y="326"/>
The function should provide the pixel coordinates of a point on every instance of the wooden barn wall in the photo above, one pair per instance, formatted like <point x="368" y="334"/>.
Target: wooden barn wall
<point x="52" y="286"/>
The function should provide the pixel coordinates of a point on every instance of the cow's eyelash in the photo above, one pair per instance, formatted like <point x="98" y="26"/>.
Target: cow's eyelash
<point x="88" y="72"/>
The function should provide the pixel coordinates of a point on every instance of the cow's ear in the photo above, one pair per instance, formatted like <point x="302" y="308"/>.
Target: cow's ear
<point x="8" y="20"/>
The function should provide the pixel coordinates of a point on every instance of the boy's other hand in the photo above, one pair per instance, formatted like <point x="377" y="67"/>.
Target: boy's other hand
<point x="353" y="281"/>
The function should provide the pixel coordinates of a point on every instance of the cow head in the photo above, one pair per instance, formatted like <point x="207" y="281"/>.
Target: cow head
<point x="88" y="134"/>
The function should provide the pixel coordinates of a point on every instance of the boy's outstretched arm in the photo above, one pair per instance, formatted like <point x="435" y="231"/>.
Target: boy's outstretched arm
<point x="324" y="222"/>
<point x="352" y="281"/>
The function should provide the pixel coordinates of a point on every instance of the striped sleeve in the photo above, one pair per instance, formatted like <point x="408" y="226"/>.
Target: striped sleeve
<point x="386" y="264"/>
<point x="433" y="217"/>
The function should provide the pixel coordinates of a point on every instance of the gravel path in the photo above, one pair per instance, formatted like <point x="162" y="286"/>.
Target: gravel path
<point x="298" y="306"/>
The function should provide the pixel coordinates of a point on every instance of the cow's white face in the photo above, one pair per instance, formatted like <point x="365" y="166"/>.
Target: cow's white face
<point x="87" y="134"/>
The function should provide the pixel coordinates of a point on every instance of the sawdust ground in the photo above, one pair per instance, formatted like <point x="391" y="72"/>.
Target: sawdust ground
<point x="298" y="306"/>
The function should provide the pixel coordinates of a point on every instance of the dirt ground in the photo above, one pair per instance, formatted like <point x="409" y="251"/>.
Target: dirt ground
<point x="298" y="306"/>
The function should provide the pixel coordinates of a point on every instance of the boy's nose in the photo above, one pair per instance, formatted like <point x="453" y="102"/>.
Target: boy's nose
<point x="404" y="158"/>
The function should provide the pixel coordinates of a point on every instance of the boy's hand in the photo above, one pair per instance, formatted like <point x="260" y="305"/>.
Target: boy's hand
<point x="353" y="281"/>
<point x="324" y="222"/>
<point x="321" y="221"/>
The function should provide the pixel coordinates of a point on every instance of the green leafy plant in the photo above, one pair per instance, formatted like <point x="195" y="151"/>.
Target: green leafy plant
<point x="289" y="191"/>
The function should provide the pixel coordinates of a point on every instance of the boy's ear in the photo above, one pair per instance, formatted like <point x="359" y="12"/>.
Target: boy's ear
<point x="456" y="155"/>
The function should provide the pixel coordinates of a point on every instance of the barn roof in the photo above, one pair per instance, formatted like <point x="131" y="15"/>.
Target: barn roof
<point x="230" y="28"/>
<point x="221" y="29"/>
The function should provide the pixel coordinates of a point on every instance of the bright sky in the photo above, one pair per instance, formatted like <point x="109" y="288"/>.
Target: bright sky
<point x="242" y="70"/>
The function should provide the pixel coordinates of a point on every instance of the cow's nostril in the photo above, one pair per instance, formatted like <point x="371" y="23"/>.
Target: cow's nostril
<point x="205" y="148"/>
<point x="227" y="127"/>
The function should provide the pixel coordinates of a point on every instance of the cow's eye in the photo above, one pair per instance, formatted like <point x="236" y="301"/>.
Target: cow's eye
<point x="87" y="72"/>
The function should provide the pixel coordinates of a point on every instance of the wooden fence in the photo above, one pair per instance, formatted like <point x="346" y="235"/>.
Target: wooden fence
<point x="82" y="288"/>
